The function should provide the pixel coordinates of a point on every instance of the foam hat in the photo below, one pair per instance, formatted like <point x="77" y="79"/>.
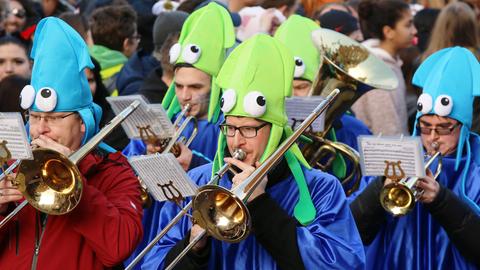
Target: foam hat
<point x="59" y="83"/>
<point x="205" y="37"/>
<point x="256" y="78"/>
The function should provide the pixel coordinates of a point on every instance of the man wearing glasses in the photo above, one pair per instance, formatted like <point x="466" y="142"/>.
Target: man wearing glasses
<point x="300" y="217"/>
<point x="442" y="231"/>
<point x="105" y="226"/>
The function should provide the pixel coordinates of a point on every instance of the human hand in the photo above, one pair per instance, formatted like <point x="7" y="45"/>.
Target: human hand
<point x="185" y="157"/>
<point x="8" y="192"/>
<point x="247" y="170"/>
<point x="194" y="232"/>
<point x="430" y="188"/>
<point x="46" y="142"/>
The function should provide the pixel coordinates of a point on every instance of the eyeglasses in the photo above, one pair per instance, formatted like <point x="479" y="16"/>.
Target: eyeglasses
<point x="245" y="131"/>
<point x="438" y="130"/>
<point x="50" y="119"/>
<point x="19" y="13"/>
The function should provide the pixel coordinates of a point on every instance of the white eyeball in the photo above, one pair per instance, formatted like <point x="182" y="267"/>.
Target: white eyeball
<point x="228" y="100"/>
<point x="46" y="99"/>
<point x="175" y="52"/>
<point x="27" y="96"/>
<point x="299" y="67"/>
<point x="255" y="104"/>
<point x="443" y="105"/>
<point x="424" y="103"/>
<point x="191" y="53"/>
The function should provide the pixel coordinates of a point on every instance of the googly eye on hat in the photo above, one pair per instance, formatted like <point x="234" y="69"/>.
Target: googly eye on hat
<point x="255" y="104"/>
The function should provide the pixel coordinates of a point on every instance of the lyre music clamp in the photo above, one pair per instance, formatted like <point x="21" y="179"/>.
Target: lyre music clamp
<point x="394" y="176"/>
<point x="172" y="194"/>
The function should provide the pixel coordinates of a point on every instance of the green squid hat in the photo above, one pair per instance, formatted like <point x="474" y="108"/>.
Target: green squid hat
<point x="256" y="78"/>
<point x="205" y="37"/>
<point x="296" y="34"/>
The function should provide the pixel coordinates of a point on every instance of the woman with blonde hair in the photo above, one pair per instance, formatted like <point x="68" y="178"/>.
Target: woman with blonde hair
<point x="455" y="26"/>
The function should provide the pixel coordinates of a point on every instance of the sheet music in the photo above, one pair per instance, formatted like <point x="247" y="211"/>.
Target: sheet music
<point x="12" y="130"/>
<point x="374" y="151"/>
<point x="159" y="169"/>
<point x="298" y="108"/>
<point x="152" y="115"/>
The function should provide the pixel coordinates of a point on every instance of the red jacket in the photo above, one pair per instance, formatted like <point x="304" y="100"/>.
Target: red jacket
<point x="101" y="232"/>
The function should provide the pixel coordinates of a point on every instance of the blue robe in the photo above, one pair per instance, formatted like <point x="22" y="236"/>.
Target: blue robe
<point x="204" y="145"/>
<point x="331" y="241"/>
<point x="417" y="241"/>
<point x="351" y="129"/>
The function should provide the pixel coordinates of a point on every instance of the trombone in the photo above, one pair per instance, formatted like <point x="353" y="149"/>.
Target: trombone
<point x="399" y="198"/>
<point x="223" y="213"/>
<point x="51" y="182"/>
<point x="238" y="154"/>
<point x="170" y="144"/>
<point x="349" y="66"/>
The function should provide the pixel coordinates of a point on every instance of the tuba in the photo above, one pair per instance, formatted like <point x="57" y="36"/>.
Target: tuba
<point x="51" y="182"/>
<point x="350" y="67"/>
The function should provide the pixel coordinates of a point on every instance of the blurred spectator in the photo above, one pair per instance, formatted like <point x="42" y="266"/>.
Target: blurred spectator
<point x="237" y="5"/>
<point x="390" y="23"/>
<point x="346" y="7"/>
<point x="114" y="33"/>
<point x="189" y="6"/>
<point x="424" y="21"/>
<point x="10" y="88"/>
<point x="14" y="58"/>
<point x="165" y="33"/>
<point x="259" y="20"/>
<point x="21" y="18"/>
<point x="287" y="7"/>
<point x="342" y="22"/>
<point x="80" y="24"/>
<point x="56" y="7"/>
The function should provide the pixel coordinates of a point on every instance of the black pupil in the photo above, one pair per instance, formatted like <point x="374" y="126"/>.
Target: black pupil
<point x="298" y="62"/>
<point x="222" y="101"/>
<point x="261" y="100"/>
<point x="194" y="49"/>
<point x="46" y="93"/>
<point x="419" y="106"/>
<point x="445" y="101"/>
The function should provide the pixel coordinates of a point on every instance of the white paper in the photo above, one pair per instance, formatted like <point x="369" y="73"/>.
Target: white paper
<point x="146" y="115"/>
<point x="299" y="108"/>
<point x="374" y="151"/>
<point x="12" y="130"/>
<point x="159" y="169"/>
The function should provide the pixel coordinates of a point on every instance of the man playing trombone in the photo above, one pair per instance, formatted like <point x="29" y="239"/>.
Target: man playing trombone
<point x="442" y="231"/>
<point x="300" y="217"/>
<point x="105" y="226"/>
<point x="198" y="56"/>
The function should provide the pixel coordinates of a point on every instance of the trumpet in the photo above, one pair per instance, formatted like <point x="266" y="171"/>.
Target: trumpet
<point x="398" y="198"/>
<point x="238" y="154"/>
<point x="51" y="182"/>
<point x="171" y="144"/>
<point x="347" y="66"/>
<point x="223" y="213"/>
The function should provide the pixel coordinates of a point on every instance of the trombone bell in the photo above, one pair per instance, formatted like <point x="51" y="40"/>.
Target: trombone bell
<point x="50" y="182"/>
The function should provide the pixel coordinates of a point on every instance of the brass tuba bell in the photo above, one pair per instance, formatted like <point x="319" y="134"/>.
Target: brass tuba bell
<point x="350" y="67"/>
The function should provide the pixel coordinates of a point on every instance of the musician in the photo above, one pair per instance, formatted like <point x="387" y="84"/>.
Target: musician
<point x="197" y="62"/>
<point x="307" y="229"/>
<point x="442" y="231"/>
<point x="105" y="226"/>
<point x="296" y="34"/>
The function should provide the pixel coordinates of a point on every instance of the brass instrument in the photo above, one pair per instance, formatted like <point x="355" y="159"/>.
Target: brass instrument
<point x="51" y="182"/>
<point x="348" y="66"/>
<point x="223" y="213"/>
<point x="170" y="144"/>
<point x="238" y="154"/>
<point x="399" y="197"/>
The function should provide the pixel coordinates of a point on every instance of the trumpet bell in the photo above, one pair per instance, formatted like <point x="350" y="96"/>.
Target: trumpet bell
<point x="50" y="182"/>
<point x="397" y="199"/>
<point x="221" y="213"/>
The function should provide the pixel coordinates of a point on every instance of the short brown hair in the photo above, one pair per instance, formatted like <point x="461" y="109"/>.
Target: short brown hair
<point x="111" y="25"/>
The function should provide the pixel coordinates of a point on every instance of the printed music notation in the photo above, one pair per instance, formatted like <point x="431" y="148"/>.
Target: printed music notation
<point x="164" y="177"/>
<point x="12" y="130"/>
<point x="151" y="115"/>
<point x="378" y="153"/>
<point x="299" y="108"/>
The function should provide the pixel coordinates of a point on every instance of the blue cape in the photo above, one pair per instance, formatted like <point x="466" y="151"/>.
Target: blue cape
<point x="331" y="241"/>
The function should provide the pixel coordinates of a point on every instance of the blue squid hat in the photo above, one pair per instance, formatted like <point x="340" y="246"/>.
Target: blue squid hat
<point x="450" y="79"/>
<point x="58" y="82"/>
